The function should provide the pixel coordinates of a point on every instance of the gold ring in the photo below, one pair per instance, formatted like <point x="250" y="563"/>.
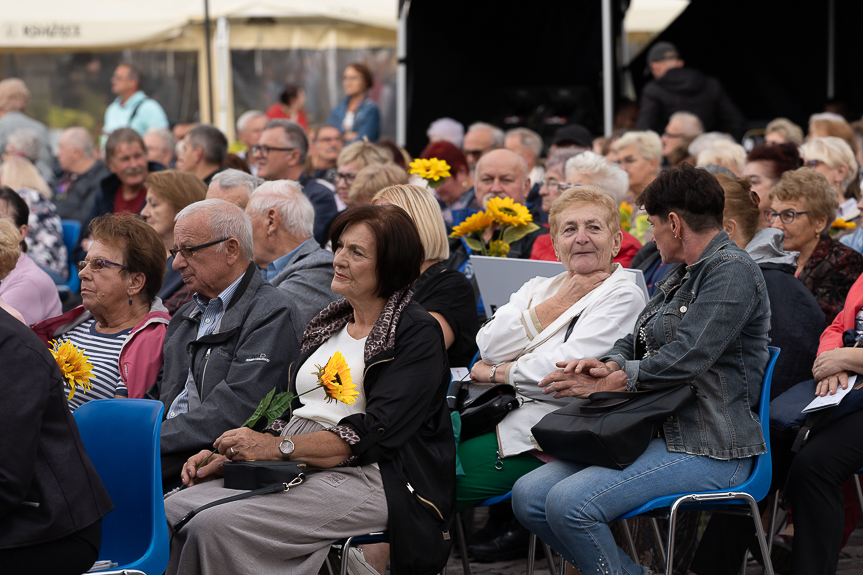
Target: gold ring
<point x="232" y="451"/>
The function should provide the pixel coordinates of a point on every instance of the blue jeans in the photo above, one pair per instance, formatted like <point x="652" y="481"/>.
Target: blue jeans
<point x="568" y="505"/>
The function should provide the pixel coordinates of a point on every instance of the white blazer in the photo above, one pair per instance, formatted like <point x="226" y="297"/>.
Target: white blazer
<point x="605" y="315"/>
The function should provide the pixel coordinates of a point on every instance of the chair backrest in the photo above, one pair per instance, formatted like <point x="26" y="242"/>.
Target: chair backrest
<point x="121" y="437"/>
<point x="758" y="484"/>
<point x="71" y="232"/>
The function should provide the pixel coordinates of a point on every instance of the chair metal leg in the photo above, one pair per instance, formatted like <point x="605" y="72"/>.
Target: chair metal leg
<point x="658" y="534"/>
<point x="759" y="529"/>
<point x="633" y="552"/>
<point x="771" y="525"/>
<point x="462" y="543"/>
<point x="549" y="558"/>
<point x="669" y="555"/>
<point x="329" y="565"/>
<point x="345" y="551"/>
<point x="859" y="492"/>
<point x="531" y="552"/>
<point x="562" y="566"/>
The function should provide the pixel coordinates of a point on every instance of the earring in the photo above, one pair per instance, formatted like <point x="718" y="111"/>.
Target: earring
<point x="464" y="184"/>
<point x="130" y="300"/>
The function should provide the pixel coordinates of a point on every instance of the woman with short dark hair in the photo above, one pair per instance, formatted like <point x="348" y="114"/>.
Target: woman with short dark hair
<point x="706" y="325"/>
<point x="357" y="117"/>
<point x="386" y="461"/>
<point x="121" y="324"/>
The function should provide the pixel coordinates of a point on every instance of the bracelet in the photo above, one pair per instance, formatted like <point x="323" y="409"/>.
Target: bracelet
<point x="494" y="369"/>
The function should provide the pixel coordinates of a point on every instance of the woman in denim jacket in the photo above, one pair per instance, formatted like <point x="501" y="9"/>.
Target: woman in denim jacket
<point x="356" y="116"/>
<point x="707" y="325"/>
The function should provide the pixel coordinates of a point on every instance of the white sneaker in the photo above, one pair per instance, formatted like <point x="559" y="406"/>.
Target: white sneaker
<point x="357" y="563"/>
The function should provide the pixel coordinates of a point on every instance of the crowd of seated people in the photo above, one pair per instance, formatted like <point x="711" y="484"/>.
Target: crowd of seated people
<point x="204" y="287"/>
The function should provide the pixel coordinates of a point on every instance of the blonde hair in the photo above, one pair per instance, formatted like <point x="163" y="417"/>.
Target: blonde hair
<point x="372" y="179"/>
<point x="812" y="190"/>
<point x="834" y="152"/>
<point x="424" y="210"/>
<point x="177" y="189"/>
<point x="730" y="155"/>
<point x="738" y="205"/>
<point x="19" y="173"/>
<point x="14" y="95"/>
<point x="792" y="133"/>
<point x="647" y="144"/>
<point x="584" y="195"/>
<point x="10" y="249"/>
<point x="364" y="154"/>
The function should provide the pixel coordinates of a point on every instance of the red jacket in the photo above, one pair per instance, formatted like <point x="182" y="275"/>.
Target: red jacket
<point x="543" y="250"/>
<point x="832" y="336"/>
<point x="141" y="355"/>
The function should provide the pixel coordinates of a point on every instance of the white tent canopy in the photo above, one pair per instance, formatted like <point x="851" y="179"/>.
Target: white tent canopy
<point x="61" y="24"/>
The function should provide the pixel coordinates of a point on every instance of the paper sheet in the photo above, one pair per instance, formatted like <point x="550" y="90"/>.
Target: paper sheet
<point x="831" y="400"/>
<point x="460" y="373"/>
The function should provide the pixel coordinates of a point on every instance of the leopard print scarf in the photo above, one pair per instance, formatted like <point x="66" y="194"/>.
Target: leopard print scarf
<point x="336" y="315"/>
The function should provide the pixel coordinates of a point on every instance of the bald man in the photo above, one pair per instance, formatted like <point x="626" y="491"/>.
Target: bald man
<point x="82" y="175"/>
<point x="503" y="173"/>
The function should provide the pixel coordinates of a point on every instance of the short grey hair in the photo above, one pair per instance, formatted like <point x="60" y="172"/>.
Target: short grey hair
<point x="834" y="152"/>
<point x="707" y="141"/>
<point x="497" y="135"/>
<point x="287" y="198"/>
<point x="557" y="160"/>
<point x="166" y="136"/>
<point x="27" y="142"/>
<point x="447" y="129"/>
<point x="723" y="153"/>
<point x="529" y="139"/>
<point x="247" y="117"/>
<point x="297" y="137"/>
<point x="603" y="174"/>
<point x="690" y="123"/>
<point x="832" y="116"/>
<point x="232" y="178"/>
<point x="224" y="220"/>
<point x="79" y="138"/>
<point x="647" y="144"/>
<point x="211" y="140"/>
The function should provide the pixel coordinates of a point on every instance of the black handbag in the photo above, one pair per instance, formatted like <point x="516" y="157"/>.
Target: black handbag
<point x="483" y="405"/>
<point x="610" y="428"/>
<point x="260" y="477"/>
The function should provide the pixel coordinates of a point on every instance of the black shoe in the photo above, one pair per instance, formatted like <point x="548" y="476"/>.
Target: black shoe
<point x="511" y="544"/>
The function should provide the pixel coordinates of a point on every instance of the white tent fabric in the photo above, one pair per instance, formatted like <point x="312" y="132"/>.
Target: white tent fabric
<point x="652" y="16"/>
<point x="64" y="24"/>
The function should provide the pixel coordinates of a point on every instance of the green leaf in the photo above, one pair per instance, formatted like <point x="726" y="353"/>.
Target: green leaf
<point x="433" y="184"/>
<point x="278" y="406"/>
<point x="259" y="412"/>
<point x="515" y="233"/>
<point x="474" y="243"/>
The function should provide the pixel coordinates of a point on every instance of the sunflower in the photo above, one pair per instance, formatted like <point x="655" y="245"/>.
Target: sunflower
<point x="430" y="169"/>
<point x="335" y="378"/>
<point x="474" y="224"/>
<point x="74" y="365"/>
<point x="505" y="211"/>
<point x="843" y="225"/>
<point x="498" y="249"/>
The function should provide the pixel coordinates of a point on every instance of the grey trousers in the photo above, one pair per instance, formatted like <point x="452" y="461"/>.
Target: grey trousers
<point x="285" y="532"/>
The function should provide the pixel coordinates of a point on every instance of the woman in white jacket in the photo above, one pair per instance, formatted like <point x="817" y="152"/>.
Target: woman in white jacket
<point x="579" y="313"/>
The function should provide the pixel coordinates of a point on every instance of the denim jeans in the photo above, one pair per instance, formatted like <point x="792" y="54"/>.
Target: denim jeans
<point x="568" y="505"/>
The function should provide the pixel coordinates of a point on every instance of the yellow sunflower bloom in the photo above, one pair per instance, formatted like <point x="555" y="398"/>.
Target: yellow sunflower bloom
<point x="474" y="224"/>
<point x="843" y="225"/>
<point x="430" y="169"/>
<point x="335" y="378"/>
<point x="498" y="249"/>
<point x="505" y="211"/>
<point x="74" y="366"/>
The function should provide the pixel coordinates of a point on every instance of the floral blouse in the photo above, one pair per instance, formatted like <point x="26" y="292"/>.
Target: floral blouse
<point x="830" y="272"/>
<point x="45" y="234"/>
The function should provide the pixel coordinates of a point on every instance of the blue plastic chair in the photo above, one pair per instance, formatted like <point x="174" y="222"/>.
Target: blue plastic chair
<point x="71" y="232"/>
<point x="121" y="437"/>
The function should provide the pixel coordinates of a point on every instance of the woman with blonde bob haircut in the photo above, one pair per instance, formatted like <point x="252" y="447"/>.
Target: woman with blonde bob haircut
<point x="444" y="293"/>
<point x="351" y="160"/>
<point x="372" y="179"/>
<point x="640" y="156"/>
<point x="834" y="158"/>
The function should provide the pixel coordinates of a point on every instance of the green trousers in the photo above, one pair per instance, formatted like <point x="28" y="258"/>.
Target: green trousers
<point x="482" y="479"/>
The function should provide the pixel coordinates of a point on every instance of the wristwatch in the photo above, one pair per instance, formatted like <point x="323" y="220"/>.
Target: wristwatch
<point x="286" y="446"/>
<point x="494" y="369"/>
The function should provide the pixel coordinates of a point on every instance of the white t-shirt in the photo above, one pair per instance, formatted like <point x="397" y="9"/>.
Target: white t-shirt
<point x="348" y="122"/>
<point x="315" y="406"/>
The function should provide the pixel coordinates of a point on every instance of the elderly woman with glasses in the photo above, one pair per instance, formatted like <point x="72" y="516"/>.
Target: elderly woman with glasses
<point x="803" y="205"/>
<point x="834" y="159"/>
<point x="122" y="323"/>
<point x="349" y="163"/>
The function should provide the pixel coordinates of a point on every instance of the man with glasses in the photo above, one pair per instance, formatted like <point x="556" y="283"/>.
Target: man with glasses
<point x="676" y="88"/>
<point x="281" y="155"/>
<point x="681" y="125"/>
<point x="226" y="349"/>
<point x="480" y="139"/>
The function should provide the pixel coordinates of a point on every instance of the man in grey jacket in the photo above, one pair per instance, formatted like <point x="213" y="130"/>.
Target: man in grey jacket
<point x="228" y="347"/>
<point x="289" y="258"/>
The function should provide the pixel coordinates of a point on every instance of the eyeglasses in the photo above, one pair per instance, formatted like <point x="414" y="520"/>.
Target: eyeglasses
<point x="189" y="252"/>
<point x="786" y="216"/>
<point x="812" y="163"/>
<point x="559" y="187"/>
<point x="670" y="135"/>
<point x="97" y="263"/>
<point x="264" y="151"/>
<point x="629" y="160"/>
<point x="348" y="178"/>
<point x="475" y="154"/>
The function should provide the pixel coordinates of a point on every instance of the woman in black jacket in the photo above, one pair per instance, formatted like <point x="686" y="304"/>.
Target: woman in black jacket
<point x="386" y="461"/>
<point x="51" y="498"/>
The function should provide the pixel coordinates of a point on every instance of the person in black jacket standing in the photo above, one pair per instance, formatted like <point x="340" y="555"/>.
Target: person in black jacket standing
<point x="51" y="498"/>
<point x="676" y="89"/>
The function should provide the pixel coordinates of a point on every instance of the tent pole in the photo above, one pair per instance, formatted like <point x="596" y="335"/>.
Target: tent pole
<point x="209" y="58"/>
<point x="402" y="75"/>
<point x="831" y="49"/>
<point x="607" y="78"/>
